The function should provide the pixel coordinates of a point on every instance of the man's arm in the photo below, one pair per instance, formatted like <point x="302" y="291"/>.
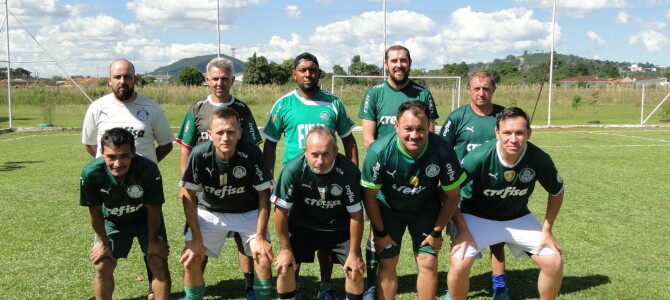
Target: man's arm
<point x="270" y="154"/>
<point x="547" y="239"/>
<point x="431" y="126"/>
<point x="163" y="150"/>
<point x="381" y="238"/>
<point x="350" y="148"/>
<point x="91" y="149"/>
<point x="101" y="250"/>
<point x="184" y="153"/>
<point x="262" y="246"/>
<point x="156" y="245"/>
<point x="285" y="258"/>
<point x="195" y="246"/>
<point x="369" y="131"/>
<point x="354" y="265"/>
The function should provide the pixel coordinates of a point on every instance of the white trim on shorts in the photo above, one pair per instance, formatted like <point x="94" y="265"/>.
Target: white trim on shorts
<point x="215" y="226"/>
<point x="522" y="235"/>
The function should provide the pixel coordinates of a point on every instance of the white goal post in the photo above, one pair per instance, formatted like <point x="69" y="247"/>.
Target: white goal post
<point x="455" y="89"/>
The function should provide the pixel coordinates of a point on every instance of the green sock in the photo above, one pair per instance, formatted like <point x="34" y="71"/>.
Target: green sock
<point x="194" y="293"/>
<point x="262" y="288"/>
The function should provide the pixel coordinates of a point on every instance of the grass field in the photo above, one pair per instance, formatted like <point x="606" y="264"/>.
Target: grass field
<point x="611" y="225"/>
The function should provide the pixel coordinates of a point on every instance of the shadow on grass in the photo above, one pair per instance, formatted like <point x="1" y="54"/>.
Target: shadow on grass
<point x="15" y="165"/>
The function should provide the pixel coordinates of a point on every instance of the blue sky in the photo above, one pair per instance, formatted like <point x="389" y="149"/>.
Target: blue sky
<point x="85" y="36"/>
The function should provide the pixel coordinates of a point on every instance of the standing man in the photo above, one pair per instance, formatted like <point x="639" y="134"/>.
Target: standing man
<point x="193" y="131"/>
<point x="378" y="114"/>
<point x="318" y="206"/>
<point x="468" y="127"/>
<point x="124" y="194"/>
<point x="294" y="115"/>
<point x="503" y="175"/>
<point x="403" y="177"/>
<point x="234" y="185"/>
<point x="125" y="108"/>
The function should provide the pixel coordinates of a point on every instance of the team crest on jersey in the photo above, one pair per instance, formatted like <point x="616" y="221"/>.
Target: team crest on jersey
<point x="135" y="191"/>
<point x="509" y="176"/>
<point x="432" y="170"/>
<point x="322" y="193"/>
<point x="239" y="172"/>
<point x="142" y="114"/>
<point x="526" y="175"/>
<point x="324" y="116"/>
<point x="335" y="190"/>
<point x="414" y="181"/>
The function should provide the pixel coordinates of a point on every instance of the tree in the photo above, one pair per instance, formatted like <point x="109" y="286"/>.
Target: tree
<point x="145" y="80"/>
<point x="256" y="70"/>
<point x="279" y="74"/>
<point x="454" y="69"/>
<point x="190" y="76"/>
<point x="338" y="70"/>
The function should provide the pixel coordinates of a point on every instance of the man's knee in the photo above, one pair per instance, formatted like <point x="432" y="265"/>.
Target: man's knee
<point x="551" y="265"/>
<point x="427" y="262"/>
<point x="460" y="266"/>
<point x="105" y="266"/>
<point x="158" y="265"/>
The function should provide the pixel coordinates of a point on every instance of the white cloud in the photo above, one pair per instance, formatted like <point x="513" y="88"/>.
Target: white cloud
<point x="576" y="8"/>
<point x="323" y="1"/>
<point x="193" y="14"/>
<point x="652" y="40"/>
<point x="622" y="17"/>
<point x="293" y="12"/>
<point x="594" y="36"/>
<point x="38" y="13"/>
<point x="651" y="24"/>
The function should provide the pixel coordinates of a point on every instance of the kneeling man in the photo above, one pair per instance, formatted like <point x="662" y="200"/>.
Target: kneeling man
<point x="235" y="185"/>
<point x="318" y="206"/>
<point x="495" y="209"/>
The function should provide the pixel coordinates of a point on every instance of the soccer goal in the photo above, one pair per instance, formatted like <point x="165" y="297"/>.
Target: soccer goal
<point x="442" y="87"/>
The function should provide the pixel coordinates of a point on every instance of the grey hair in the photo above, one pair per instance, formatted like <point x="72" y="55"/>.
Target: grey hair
<point x="221" y="62"/>
<point x="321" y="129"/>
<point x="482" y="73"/>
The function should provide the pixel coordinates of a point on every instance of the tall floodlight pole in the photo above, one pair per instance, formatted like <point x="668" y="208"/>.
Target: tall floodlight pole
<point x="218" y="31"/>
<point x="9" y="66"/>
<point x="551" y="61"/>
<point x="383" y="62"/>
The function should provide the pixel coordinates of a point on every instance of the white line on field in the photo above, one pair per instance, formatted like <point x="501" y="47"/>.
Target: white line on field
<point x="634" y="137"/>
<point x="601" y="146"/>
<point x="34" y="135"/>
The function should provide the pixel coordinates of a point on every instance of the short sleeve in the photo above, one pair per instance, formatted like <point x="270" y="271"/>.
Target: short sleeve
<point x="275" y="124"/>
<point x="371" y="176"/>
<point x="154" y="186"/>
<point x="191" y="180"/>
<point x="89" y="131"/>
<point x="448" y="131"/>
<point x="368" y="109"/>
<point x="431" y="105"/>
<point x="250" y="130"/>
<point x="549" y="177"/>
<point x="88" y="190"/>
<point x="187" y="135"/>
<point x="262" y="175"/>
<point x="344" y="124"/>
<point x="162" y="131"/>
<point x="285" y="189"/>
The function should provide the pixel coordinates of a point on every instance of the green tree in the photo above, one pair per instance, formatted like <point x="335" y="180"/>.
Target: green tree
<point x="190" y="76"/>
<point x="146" y="80"/>
<point x="279" y="74"/>
<point x="338" y="70"/>
<point x="454" y="69"/>
<point x="256" y="70"/>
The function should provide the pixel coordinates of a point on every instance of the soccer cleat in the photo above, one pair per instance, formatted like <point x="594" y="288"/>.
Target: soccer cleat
<point x="327" y="295"/>
<point x="370" y="294"/>
<point x="501" y="296"/>
<point x="251" y="295"/>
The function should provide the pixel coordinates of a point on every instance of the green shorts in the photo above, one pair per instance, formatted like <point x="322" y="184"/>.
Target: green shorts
<point x="121" y="237"/>
<point x="420" y="225"/>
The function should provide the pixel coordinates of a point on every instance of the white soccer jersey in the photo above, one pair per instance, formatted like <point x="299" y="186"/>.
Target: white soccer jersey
<point x="143" y="118"/>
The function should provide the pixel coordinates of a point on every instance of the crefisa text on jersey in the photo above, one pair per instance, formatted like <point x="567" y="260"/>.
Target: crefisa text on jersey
<point x="224" y="191"/>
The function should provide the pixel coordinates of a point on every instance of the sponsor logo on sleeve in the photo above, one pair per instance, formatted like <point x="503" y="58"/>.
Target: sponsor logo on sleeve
<point x="375" y="171"/>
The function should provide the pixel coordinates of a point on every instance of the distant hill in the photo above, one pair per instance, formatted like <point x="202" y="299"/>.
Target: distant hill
<point x="199" y="62"/>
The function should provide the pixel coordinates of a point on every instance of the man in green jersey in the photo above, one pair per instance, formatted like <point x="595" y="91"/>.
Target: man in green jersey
<point x="234" y="185"/>
<point x="468" y="127"/>
<point x="495" y="205"/>
<point x="193" y="131"/>
<point x="318" y="206"/>
<point x="378" y="115"/>
<point x="294" y="115"/>
<point x="124" y="194"/>
<point x="403" y="177"/>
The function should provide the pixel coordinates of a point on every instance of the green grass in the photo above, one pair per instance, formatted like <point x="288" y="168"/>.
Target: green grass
<point x="611" y="225"/>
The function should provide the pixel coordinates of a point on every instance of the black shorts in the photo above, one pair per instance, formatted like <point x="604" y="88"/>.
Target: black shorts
<point x="305" y="242"/>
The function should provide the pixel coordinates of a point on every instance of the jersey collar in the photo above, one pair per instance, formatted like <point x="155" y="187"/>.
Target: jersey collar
<point x="516" y="162"/>
<point x="397" y="143"/>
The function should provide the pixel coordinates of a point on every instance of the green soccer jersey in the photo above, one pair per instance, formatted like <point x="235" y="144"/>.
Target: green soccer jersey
<point x="193" y="129"/>
<point x="500" y="192"/>
<point x="381" y="102"/>
<point x="122" y="202"/>
<point x="465" y="130"/>
<point x="294" y="116"/>
<point x="227" y="186"/>
<point x="319" y="201"/>
<point x="409" y="185"/>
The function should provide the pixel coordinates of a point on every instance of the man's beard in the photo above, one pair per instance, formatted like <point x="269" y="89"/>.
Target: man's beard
<point x="124" y="95"/>
<point x="399" y="82"/>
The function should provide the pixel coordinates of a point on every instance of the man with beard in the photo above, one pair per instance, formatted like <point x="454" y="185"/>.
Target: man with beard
<point x="294" y="115"/>
<point x="378" y="114"/>
<point x="125" y="108"/>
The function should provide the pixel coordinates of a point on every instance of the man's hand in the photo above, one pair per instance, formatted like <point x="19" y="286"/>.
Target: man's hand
<point x="354" y="266"/>
<point x="192" y="249"/>
<point x="100" y="251"/>
<point x="547" y="240"/>
<point x="159" y="248"/>
<point x="461" y="241"/>
<point x="285" y="260"/>
<point x="383" y="243"/>
<point x="262" y="248"/>
<point x="433" y="242"/>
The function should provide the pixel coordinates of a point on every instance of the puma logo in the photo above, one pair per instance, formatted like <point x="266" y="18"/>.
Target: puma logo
<point x="210" y="171"/>
<point x="471" y="128"/>
<point x="495" y="176"/>
<point x="106" y="192"/>
<point x="391" y="173"/>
